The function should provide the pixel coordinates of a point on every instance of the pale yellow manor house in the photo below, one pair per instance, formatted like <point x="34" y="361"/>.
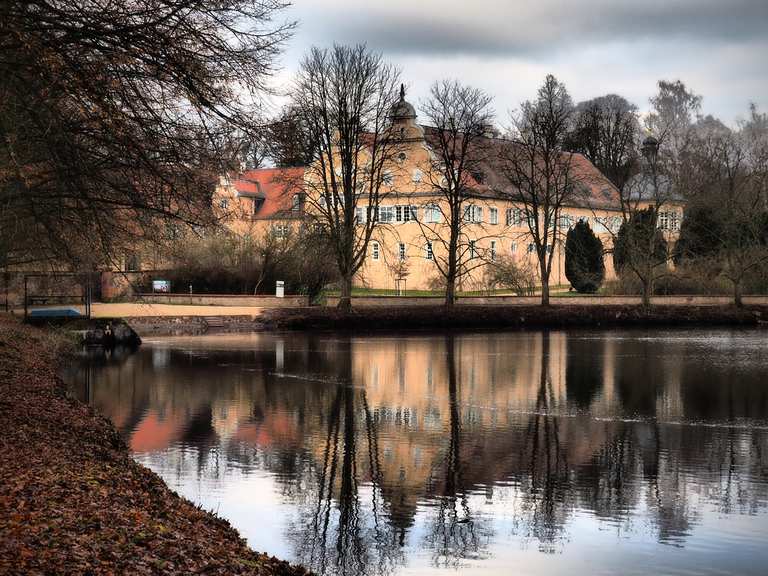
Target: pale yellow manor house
<point x="408" y="238"/>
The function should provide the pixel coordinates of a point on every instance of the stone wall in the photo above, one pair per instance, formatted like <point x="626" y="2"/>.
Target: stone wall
<point x="224" y="300"/>
<point x="191" y="325"/>
<point x="382" y="301"/>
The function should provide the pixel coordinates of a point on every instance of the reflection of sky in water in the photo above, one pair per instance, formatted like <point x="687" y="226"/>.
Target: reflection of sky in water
<point x="591" y="452"/>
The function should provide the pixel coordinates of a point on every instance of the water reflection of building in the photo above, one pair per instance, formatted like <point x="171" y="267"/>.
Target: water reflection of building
<point x="571" y="421"/>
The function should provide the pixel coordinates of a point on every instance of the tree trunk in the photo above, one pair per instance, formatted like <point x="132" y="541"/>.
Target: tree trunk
<point x="453" y="267"/>
<point x="647" y="292"/>
<point x="738" y="293"/>
<point x="544" y="284"/>
<point x="450" y="291"/>
<point x="345" y="300"/>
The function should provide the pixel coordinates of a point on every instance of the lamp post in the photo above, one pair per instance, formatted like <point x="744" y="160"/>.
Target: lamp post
<point x="650" y="151"/>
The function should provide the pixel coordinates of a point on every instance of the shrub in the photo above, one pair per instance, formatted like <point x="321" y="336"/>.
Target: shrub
<point x="225" y="263"/>
<point x="506" y="273"/>
<point x="584" y="265"/>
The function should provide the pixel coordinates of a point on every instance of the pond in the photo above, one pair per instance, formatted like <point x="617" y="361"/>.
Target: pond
<point x="580" y="452"/>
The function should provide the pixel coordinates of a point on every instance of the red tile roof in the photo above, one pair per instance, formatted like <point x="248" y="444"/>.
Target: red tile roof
<point x="278" y="185"/>
<point x="275" y="185"/>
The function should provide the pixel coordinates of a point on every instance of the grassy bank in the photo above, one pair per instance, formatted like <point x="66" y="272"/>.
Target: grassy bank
<point x="484" y="317"/>
<point x="73" y="501"/>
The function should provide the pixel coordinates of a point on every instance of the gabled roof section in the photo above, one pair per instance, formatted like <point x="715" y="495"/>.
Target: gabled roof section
<point x="274" y="186"/>
<point x="595" y="190"/>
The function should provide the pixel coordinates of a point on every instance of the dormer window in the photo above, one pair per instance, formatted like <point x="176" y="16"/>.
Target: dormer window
<point x="297" y="202"/>
<point x="257" y="204"/>
<point x="478" y="176"/>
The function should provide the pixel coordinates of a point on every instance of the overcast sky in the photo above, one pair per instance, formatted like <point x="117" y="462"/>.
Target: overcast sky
<point x="719" y="48"/>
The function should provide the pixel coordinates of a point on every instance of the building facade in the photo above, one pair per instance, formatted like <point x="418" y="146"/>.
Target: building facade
<point x="409" y="238"/>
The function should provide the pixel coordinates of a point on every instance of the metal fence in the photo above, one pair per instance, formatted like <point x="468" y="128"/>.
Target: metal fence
<point x="57" y="295"/>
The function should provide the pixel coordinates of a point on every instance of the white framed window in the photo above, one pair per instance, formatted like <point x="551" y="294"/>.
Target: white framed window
<point x="601" y="225"/>
<point x="493" y="215"/>
<point x="224" y="203"/>
<point x="360" y="212"/>
<point x="564" y="221"/>
<point x="514" y="217"/>
<point x="417" y="175"/>
<point x="472" y="249"/>
<point x="428" y="253"/>
<point x="493" y="250"/>
<point x="531" y="221"/>
<point x="674" y="221"/>
<point x="386" y="214"/>
<point x="296" y="202"/>
<point x="401" y="251"/>
<point x="432" y="214"/>
<point x="669" y="221"/>
<point x="281" y="231"/>
<point x="375" y="250"/>
<point x="513" y="248"/>
<point x="473" y="213"/>
<point x="405" y="213"/>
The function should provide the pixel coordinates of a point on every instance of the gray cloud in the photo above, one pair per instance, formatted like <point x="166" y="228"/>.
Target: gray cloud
<point x="719" y="48"/>
<point x="502" y="28"/>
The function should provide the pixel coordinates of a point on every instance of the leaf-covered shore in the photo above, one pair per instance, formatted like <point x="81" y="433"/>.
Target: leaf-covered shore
<point x="72" y="501"/>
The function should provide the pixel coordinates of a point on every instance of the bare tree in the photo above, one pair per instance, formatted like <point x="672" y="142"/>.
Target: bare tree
<point x="605" y="131"/>
<point x="459" y="117"/>
<point x="731" y="164"/>
<point x="115" y="116"/>
<point x="344" y="97"/>
<point x="663" y="171"/>
<point x="673" y="110"/>
<point x="287" y="140"/>
<point x="540" y="169"/>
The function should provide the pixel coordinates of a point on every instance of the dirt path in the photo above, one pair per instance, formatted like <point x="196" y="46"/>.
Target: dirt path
<point x="136" y="310"/>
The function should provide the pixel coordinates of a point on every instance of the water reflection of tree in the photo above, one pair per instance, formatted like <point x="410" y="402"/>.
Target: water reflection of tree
<point x="547" y="479"/>
<point x="632" y="464"/>
<point x="454" y="533"/>
<point x="583" y="371"/>
<point x="343" y="529"/>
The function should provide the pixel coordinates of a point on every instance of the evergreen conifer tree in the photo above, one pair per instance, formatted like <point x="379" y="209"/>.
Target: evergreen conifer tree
<point x="584" y="265"/>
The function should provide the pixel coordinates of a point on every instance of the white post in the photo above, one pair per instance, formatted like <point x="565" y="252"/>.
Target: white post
<point x="280" y="288"/>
